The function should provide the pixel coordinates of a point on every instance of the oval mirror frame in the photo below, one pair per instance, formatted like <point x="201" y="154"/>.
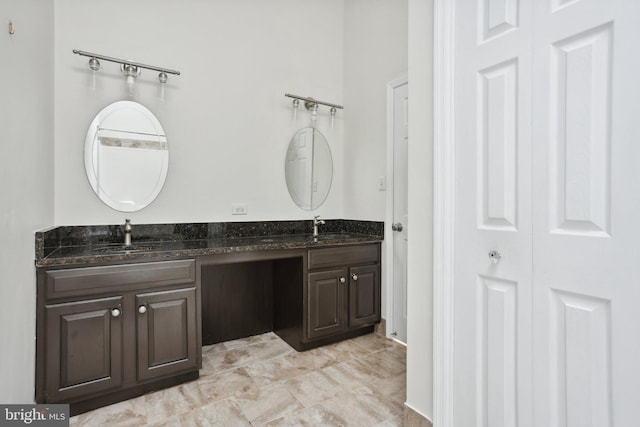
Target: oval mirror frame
<point x="126" y="156"/>
<point x="308" y="168"/>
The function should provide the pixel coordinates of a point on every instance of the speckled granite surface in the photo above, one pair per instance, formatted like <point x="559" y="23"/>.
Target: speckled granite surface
<point x="84" y="245"/>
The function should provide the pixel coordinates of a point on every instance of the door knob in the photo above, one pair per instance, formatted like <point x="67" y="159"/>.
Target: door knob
<point x="354" y="276"/>
<point x="495" y="256"/>
<point x="397" y="226"/>
<point x="342" y="280"/>
<point x="142" y="309"/>
<point x="115" y="312"/>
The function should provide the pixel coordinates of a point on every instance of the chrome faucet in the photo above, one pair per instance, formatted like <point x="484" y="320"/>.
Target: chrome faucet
<point x="316" y="223"/>
<point x="127" y="233"/>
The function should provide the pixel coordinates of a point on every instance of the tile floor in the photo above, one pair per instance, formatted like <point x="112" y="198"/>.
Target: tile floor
<point x="261" y="381"/>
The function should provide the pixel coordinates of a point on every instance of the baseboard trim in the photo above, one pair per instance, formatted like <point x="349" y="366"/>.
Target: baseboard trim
<point x="413" y="418"/>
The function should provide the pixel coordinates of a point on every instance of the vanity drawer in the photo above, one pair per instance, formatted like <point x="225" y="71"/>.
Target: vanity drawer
<point x="343" y="255"/>
<point x="94" y="280"/>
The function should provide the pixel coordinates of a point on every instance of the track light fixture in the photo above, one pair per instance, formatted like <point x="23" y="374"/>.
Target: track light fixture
<point x="313" y="105"/>
<point x="130" y="69"/>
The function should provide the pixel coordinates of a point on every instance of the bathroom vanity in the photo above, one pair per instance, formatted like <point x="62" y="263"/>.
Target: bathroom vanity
<point x="115" y="322"/>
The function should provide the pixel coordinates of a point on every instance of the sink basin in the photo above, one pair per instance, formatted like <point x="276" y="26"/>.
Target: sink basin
<point x="123" y="249"/>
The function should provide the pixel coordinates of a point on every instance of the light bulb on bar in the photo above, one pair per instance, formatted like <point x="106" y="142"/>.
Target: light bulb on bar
<point x="333" y="116"/>
<point x="314" y="112"/>
<point x="131" y="72"/>
<point x="296" y="107"/>
<point x="94" y="64"/>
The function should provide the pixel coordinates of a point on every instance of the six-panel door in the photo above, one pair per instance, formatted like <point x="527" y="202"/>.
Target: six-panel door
<point x="84" y="348"/>
<point x="166" y="332"/>
<point x="546" y="224"/>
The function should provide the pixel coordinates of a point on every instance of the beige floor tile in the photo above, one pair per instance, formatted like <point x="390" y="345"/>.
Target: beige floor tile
<point x="225" y="384"/>
<point x="129" y="413"/>
<point x="385" y="363"/>
<point x="254" y="353"/>
<point x="230" y="359"/>
<point x="207" y="366"/>
<point x="394" y="422"/>
<point x="393" y="387"/>
<point x="364" y="372"/>
<point x="213" y="348"/>
<point x="221" y="413"/>
<point x="362" y="407"/>
<point x="243" y="342"/>
<point x="273" y="370"/>
<point x="311" y="417"/>
<point x="345" y="350"/>
<point x="263" y="404"/>
<point x="345" y="375"/>
<point x="173" y="401"/>
<point x="314" y="387"/>
<point x="374" y="342"/>
<point x="168" y="422"/>
<point x="311" y="360"/>
<point x="260" y="380"/>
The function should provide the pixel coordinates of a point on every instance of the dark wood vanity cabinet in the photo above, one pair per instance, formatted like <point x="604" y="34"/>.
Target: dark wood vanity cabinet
<point x="343" y="290"/>
<point x="112" y="332"/>
<point x="364" y="295"/>
<point x="166" y="332"/>
<point x="85" y="346"/>
<point x="327" y="296"/>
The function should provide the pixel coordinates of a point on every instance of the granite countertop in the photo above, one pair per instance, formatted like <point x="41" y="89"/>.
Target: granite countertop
<point x="87" y="245"/>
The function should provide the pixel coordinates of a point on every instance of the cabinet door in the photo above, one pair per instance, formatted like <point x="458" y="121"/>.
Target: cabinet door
<point x="166" y="332"/>
<point x="326" y="305"/>
<point x="364" y="295"/>
<point x="83" y="348"/>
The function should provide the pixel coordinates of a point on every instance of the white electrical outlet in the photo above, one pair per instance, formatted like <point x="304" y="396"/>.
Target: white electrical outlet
<point x="382" y="183"/>
<point x="238" y="209"/>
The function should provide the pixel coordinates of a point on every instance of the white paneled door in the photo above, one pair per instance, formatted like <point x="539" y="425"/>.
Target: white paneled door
<point x="586" y="232"/>
<point x="547" y="265"/>
<point x="492" y="291"/>
<point x="400" y="226"/>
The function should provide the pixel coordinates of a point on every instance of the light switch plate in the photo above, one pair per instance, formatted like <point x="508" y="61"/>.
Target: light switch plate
<point x="382" y="183"/>
<point x="238" y="209"/>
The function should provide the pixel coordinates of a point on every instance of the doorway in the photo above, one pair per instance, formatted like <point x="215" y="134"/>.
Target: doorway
<point x="397" y="204"/>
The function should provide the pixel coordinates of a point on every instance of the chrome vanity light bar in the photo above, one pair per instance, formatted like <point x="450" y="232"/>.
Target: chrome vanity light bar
<point x="312" y="105"/>
<point x="130" y="68"/>
<point x="308" y="99"/>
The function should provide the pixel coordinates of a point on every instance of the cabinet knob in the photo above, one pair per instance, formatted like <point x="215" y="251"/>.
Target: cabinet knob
<point x="342" y="280"/>
<point x="115" y="312"/>
<point x="354" y="276"/>
<point x="142" y="309"/>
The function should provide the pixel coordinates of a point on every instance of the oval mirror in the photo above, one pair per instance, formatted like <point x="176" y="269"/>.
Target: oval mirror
<point x="126" y="156"/>
<point x="308" y="168"/>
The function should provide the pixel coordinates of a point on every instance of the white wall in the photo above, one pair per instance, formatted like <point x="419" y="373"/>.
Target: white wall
<point x="226" y="116"/>
<point x="375" y="52"/>
<point x="227" y="119"/>
<point x="26" y="177"/>
<point x="420" y="260"/>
